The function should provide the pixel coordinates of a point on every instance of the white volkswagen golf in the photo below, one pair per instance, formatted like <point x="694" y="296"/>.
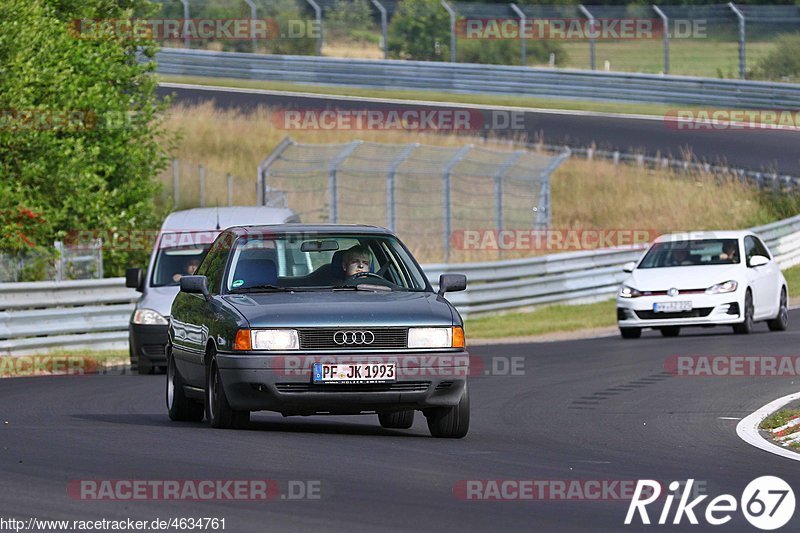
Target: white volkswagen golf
<point x="702" y="279"/>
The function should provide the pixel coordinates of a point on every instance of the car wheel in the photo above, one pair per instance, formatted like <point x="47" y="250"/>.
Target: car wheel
<point x="179" y="406"/>
<point x="630" y="333"/>
<point x="746" y="327"/>
<point x="670" y="331"/>
<point x="781" y="321"/>
<point x="449" y="422"/>
<point x="397" y="419"/>
<point x="218" y="410"/>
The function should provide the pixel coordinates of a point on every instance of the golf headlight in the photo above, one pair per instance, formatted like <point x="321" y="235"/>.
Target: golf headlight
<point x="720" y="288"/>
<point x="629" y="292"/>
<point x="274" y="339"/>
<point x="435" y="337"/>
<point x="148" y="317"/>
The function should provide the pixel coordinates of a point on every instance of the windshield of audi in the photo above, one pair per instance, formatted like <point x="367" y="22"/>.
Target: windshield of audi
<point x="691" y="253"/>
<point x="317" y="261"/>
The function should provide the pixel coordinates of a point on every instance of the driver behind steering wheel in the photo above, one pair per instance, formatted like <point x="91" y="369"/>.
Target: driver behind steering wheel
<point x="356" y="262"/>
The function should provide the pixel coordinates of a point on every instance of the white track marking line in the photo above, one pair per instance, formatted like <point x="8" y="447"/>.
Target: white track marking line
<point x="747" y="429"/>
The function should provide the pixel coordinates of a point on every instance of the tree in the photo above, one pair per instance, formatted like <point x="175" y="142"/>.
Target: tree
<point x="80" y="126"/>
<point x="420" y="29"/>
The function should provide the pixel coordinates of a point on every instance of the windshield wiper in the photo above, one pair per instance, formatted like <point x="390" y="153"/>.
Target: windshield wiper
<point x="362" y="287"/>
<point x="262" y="288"/>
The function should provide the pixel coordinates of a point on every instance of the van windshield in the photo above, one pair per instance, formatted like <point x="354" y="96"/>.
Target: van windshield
<point x="179" y="254"/>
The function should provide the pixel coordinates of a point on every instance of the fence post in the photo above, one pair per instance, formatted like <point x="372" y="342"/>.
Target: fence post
<point x="253" y="17"/>
<point x="175" y="181"/>
<point x="318" y="12"/>
<point x="186" y="17"/>
<point x="384" y="27"/>
<point x="391" y="215"/>
<point x="543" y="215"/>
<point x="592" y="27"/>
<point x="448" y="212"/>
<point x="202" y="186"/>
<point x="59" y="246"/>
<point x="742" y="41"/>
<point x="452" y="30"/>
<point x="333" y="188"/>
<point x="522" y="41"/>
<point x="262" y="173"/>
<point x="665" y="20"/>
<point x="230" y="190"/>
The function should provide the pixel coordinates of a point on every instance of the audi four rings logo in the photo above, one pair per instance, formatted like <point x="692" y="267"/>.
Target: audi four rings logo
<point x="353" y="337"/>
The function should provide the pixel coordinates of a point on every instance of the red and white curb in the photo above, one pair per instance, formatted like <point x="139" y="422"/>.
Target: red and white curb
<point x="747" y="428"/>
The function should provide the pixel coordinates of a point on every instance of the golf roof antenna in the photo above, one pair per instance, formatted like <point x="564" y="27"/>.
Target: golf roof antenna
<point x="217" y="218"/>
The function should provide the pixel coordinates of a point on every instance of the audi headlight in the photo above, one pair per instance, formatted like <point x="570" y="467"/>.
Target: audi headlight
<point x="721" y="288"/>
<point x="148" y="317"/>
<point x="274" y="339"/>
<point x="629" y="292"/>
<point x="436" y="337"/>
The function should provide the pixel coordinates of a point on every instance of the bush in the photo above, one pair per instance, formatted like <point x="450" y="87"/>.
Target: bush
<point x="420" y="29"/>
<point x="783" y="63"/>
<point x="345" y="17"/>
<point x="507" y="52"/>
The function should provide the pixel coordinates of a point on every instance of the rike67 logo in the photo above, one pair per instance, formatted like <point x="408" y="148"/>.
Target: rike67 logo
<point x="767" y="503"/>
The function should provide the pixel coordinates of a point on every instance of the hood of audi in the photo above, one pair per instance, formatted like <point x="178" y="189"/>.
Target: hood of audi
<point x="342" y="308"/>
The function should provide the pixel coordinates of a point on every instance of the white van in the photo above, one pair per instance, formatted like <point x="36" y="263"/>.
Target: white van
<point x="180" y="245"/>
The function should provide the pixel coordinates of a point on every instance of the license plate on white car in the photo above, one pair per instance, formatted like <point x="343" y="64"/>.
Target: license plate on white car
<point x="348" y="373"/>
<point x="671" y="307"/>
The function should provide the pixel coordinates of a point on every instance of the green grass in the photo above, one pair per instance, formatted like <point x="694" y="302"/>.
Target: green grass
<point x="499" y="100"/>
<point x="792" y="276"/>
<point x="548" y="319"/>
<point x="778" y="419"/>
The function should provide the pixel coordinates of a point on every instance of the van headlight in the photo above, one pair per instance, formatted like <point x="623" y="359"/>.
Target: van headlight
<point x="148" y="317"/>
<point x="721" y="288"/>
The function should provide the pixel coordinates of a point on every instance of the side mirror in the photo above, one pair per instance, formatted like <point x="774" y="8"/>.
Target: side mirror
<point x="757" y="261"/>
<point x="452" y="283"/>
<point x="133" y="278"/>
<point x="629" y="266"/>
<point x="195" y="285"/>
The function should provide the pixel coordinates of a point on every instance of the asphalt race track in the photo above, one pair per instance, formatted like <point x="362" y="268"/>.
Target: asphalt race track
<point x="598" y="409"/>
<point x="752" y="149"/>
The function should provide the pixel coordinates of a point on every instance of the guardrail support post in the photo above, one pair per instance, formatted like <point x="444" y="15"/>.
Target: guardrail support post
<point x="448" y="212"/>
<point x="384" y="27"/>
<point x="318" y="12"/>
<point x="186" y="16"/>
<point x="742" y="41"/>
<point x="523" y="60"/>
<point x="390" y="182"/>
<point x="665" y="20"/>
<point x="452" y="30"/>
<point x="263" y="170"/>
<point x="253" y="17"/>
<point x="333" y="189"/>
<point x="592" y="27"/>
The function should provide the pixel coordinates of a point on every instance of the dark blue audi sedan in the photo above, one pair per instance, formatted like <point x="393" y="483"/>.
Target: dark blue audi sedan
<point x="316" y="319"/>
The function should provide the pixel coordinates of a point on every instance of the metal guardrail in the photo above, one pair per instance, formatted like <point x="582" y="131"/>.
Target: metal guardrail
<point x="483" y="79"/>
<point x="41" y="316"/>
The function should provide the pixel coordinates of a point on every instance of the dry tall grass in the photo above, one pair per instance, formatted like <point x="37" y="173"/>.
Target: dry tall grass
<point x="585" y="194"/>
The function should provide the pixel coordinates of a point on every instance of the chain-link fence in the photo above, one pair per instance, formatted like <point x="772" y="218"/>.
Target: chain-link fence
<point x="64" y="262"/>
<point x="717" y="40"/>
<point x="427" y="194"/>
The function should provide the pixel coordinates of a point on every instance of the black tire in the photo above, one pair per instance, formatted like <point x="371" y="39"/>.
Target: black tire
<point x="449" y="422"/>
<point x="397" y="419"/>
<point x="630" y="333"/>
<point x="781" y="321"/>
<point x="218" y="410"/>
<point x="180" y="408"/>
<point x="670" y="331"/>
<point x="746" y="327"/>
